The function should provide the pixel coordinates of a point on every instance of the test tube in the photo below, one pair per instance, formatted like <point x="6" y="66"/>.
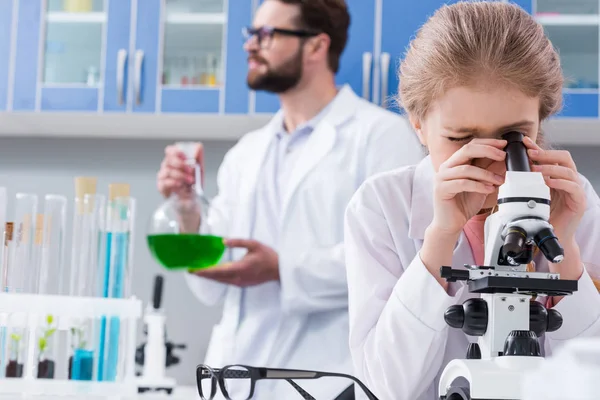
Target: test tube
<point x="19" y="269"/>
<point x="3" y="206"/>
<point x="7" y="246"/>
<point x="116" y="282"/>
<point x="51" y="266"/>
<point x="3" y="271"/>
<point x="88" y="223"/>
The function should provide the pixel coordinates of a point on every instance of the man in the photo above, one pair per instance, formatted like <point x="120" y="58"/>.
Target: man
<point x="283" y="190"/>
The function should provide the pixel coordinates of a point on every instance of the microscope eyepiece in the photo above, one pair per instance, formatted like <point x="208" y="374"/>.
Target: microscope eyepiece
<point x="548" y="244"/>
<point x="516" y="152"/>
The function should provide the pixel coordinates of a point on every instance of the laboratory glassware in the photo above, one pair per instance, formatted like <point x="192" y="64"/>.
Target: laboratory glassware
<point x="179" y="235"/>
<point x="86" y="259"/>
<point x="116" y="277"/>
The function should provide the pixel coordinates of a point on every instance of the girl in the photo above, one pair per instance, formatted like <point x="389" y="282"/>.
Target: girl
<point x="473" y="72"/>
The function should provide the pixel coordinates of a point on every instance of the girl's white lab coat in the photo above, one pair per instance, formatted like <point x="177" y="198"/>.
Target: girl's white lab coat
<point x="399" y="341"/>
<point x="352" y="142"/>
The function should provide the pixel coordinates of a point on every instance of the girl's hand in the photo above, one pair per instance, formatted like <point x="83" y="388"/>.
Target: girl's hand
<point x="568" y="202"/>
<point x="461" y="188"/>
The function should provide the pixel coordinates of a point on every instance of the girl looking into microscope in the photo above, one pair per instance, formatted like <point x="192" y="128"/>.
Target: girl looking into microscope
<point x="473" y="72"/>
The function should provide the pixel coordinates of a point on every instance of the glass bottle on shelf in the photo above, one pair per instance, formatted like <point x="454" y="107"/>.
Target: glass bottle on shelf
<point x="179" y="236"/>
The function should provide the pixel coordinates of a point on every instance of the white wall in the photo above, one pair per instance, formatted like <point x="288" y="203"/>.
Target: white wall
<point x="49" y="165"/>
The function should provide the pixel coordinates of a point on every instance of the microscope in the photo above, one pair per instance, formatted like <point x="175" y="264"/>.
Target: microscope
<point x="505" y="320"/>
<point x="156" y="354"/>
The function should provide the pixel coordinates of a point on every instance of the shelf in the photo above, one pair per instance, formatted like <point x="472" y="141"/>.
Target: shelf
<point x="573" y="131"/>
<point x="196" y="18"/>
<point x="209" y="127"/>
<point x="71" y="17"/>
<point x="568" y="90"/>
<point x="129" y="126"/>
<point x="568" y="20"/>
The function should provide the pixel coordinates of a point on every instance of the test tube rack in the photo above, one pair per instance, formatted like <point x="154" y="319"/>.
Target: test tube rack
<point x="28" y="311"/>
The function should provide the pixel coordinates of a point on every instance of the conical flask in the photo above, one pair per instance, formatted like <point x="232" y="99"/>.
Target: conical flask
<point x="179" y="236"/>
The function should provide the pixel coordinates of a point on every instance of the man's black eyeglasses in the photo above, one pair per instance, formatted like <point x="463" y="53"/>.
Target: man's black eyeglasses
<point x="210" y="380"/>
<point x="264" y="34"/>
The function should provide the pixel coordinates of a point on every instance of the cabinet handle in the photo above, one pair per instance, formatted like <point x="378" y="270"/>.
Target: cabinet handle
<point x="366" y="78"/>
<point x="139" y="60"/>
<point x="121" y="60"/>
<point x="385" y="76"/>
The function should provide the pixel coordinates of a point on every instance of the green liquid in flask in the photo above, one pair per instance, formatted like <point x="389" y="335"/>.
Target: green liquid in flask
<point x="186" y="251"/>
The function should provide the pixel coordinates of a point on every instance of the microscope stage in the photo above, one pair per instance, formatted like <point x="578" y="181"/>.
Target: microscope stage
<point x="504" y="284"/>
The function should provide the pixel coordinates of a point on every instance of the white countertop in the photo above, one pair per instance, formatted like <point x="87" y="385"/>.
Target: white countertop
<point x="180" y="393"/>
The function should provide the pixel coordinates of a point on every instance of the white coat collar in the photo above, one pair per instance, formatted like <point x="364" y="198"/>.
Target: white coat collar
<point x="342" y="108"/>
<point x="319" y="144"/>
<point x="422" y="199"/>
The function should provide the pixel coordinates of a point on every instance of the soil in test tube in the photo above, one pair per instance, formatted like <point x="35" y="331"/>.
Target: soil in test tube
<point x="186" y="251"/>
<point x="45" y="369"/>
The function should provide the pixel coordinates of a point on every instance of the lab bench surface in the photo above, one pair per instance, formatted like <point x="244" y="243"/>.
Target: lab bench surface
<point x="180" y="393"/>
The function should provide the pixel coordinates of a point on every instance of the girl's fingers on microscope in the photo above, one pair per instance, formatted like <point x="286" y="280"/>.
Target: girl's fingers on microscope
<point x="571" y="189"/>
<point x="557" y="172"/>
<point x="541" y="156"/>
<point x="449" y="189"/>
<point x="477" y="148"/>
<point x="471" y="172"/>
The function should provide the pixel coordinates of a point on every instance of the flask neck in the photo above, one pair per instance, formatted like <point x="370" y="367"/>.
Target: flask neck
<point x="196" y="187"/>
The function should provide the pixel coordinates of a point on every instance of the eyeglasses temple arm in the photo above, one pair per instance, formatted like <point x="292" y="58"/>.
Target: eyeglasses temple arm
<point x="305" y="395"/>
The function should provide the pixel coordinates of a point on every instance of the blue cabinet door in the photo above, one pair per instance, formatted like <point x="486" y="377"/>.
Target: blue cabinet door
<point x="59" y="52"/>
<point x="400" y="22"/>
<point x="361" y="36"/>
<point x="117" y="63"/>
<point x="145" y="58"/>
<point x="579" y="105"/>
<point x="25" y="83"/>
<point x="6" y="14"/>
<point x="264" y="102"/>
<point x="239" y="15"/>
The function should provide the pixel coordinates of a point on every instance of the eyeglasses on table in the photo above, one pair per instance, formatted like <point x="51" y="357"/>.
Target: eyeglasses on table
<point x="210" y="380"/>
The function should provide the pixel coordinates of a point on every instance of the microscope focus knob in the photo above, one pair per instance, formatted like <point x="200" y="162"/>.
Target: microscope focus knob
<point x="471" y="317"/>
<point x="455" y="316"/>
<point x="522" y="343"/>
<point x="555" y="320"/>
<point x="542" y="320"/>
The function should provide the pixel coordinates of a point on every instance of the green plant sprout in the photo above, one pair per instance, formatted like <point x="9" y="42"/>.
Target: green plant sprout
<point x="15" y="339"/>
<point x="79" y="334"/>
<point x="46" y="334"/>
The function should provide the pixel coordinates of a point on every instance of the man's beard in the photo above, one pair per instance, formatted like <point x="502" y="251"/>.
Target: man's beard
<point x="278" y="80"/>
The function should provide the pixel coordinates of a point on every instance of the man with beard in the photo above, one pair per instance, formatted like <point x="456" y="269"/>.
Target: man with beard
<point x="282" y="194"/>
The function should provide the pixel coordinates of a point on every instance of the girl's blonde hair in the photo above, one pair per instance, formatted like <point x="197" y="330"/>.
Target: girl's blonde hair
<point x="468" y="43"/>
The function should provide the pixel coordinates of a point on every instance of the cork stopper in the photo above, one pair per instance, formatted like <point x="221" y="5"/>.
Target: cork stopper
<point x="116" y="190"/>
<point x="39" y="229"/>
<point x="84" y="186"/>
<point x="8" y="233"/>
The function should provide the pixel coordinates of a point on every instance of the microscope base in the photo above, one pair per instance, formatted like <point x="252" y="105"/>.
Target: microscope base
<point x="499" y="378"/>
<point x="153" y="384"/>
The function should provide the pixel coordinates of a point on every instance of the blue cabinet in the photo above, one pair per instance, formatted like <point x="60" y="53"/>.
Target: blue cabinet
<point x="140" y="56"/>
<point x="185" y="56"/>
<point x="6" y="12"/>
<point x="356" y="64"/>
<point x="263" y="102"/>
<point x="189" y="58"/>
<point x="398" y="27"/>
